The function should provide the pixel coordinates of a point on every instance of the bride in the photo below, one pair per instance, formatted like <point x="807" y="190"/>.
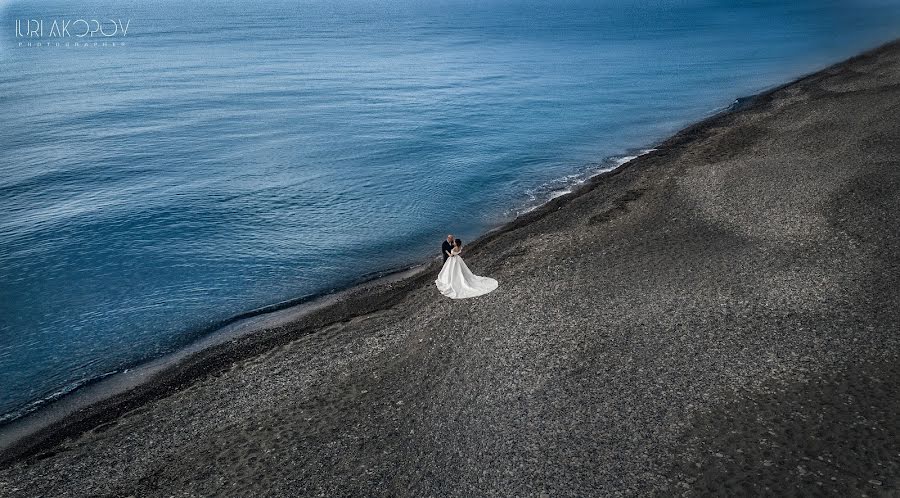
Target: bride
<point x="456" y="281"/>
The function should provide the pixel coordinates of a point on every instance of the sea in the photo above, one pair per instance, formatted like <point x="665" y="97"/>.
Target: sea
<point x="166" y="166"/>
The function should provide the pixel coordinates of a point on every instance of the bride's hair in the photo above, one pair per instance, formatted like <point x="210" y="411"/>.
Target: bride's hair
<point x="458" y="242"/>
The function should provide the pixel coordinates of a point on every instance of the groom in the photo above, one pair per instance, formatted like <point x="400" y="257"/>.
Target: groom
<point x="447" y="246"/>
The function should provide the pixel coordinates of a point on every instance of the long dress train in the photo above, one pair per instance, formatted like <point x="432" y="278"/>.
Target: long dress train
<point x="456" y="281"/>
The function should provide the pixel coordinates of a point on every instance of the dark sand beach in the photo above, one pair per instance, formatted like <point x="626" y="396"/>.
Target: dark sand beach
<point x="719" y="316"/>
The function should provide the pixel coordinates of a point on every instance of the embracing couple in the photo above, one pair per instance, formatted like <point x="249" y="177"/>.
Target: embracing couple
<point x="456" y="281"/>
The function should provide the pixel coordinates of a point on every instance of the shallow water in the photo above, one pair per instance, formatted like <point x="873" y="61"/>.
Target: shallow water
<point x="232" y="155"/>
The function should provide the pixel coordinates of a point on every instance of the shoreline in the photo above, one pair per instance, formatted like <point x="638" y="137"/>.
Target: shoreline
<point x="93" y="390"/>
<point x="62" y="416"/>
<point x="109" y="396"/>
<point x="106" y="392"/>
<point x="72" y="396"/>
<point x="235" y="342"/>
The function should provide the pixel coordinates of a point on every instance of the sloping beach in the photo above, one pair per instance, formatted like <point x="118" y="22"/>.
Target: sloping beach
<point x="719" y="315"/>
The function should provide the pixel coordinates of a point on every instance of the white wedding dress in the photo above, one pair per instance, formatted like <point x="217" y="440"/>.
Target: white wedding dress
<point x="456" y="281"/>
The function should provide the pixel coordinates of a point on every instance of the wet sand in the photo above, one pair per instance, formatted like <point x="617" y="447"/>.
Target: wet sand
<point x="719" y="316"/>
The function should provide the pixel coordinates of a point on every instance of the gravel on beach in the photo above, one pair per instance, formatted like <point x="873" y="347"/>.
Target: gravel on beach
<point x="720" y="316"/>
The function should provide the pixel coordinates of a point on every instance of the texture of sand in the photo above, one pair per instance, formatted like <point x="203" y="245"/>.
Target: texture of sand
<point x="720" y="316"/>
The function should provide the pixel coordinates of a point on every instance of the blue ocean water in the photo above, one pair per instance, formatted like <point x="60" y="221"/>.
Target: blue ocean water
<point x="223" y="156"/>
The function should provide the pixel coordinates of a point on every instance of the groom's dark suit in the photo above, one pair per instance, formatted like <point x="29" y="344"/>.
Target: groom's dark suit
<point x="445" y="249"/>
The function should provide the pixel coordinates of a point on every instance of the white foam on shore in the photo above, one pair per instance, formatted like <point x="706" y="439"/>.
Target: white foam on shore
<point x="547" y="191"/>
